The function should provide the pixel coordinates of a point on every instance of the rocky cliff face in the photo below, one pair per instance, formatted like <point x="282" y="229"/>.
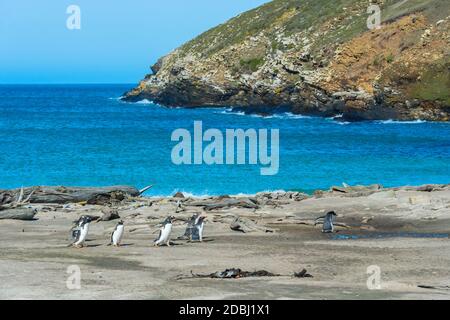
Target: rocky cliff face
<point x="316" y="57"/>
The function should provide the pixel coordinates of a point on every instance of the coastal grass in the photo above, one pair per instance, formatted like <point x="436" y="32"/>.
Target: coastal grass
<point x="434" y="85"/>
<point x="342" y="19"/>
<point x="292" y="15"/>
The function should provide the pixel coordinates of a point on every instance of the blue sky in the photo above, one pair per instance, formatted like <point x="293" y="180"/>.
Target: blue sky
<point x="117" y="43"/>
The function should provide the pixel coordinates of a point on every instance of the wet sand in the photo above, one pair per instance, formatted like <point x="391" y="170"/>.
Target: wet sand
<point x="34" y="256"/>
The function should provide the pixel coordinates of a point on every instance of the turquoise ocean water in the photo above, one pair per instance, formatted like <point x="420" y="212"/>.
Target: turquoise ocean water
<point x="83" y="135"/>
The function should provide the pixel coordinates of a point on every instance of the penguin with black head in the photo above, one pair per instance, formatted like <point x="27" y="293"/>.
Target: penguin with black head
<point x="328" y="223"/>
<point x="117" y="234"/>
<point x="164" y="232"/>
<point x="76" y="228"/>
<point x="190" y="226"/>
<point x="197" y="230"/>
<point x="80" y="234"/>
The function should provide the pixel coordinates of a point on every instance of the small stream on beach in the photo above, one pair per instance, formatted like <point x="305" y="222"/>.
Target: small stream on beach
<point x="83" y="135"/>
<point x="390" y="235"/>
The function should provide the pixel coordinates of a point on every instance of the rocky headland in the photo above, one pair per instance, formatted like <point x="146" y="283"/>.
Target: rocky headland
<point x="315" y="57"/>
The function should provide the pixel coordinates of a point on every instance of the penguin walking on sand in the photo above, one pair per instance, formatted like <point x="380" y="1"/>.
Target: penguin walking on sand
<point x="188" y="233"/>
<point x="117" y="234"/>
<point x="81" y="232"/>
<point x="328" y="223"/>
<point x="164" y="232"/>
<point x="197" y="230"/>
<point x="76" y="228"/>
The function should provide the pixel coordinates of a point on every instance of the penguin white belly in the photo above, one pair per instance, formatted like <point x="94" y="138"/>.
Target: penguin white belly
<point x="83" y="234"/>
<point x="165" y="234"/>
<point x="117" y="236"/>
<point x="200" y="231"/>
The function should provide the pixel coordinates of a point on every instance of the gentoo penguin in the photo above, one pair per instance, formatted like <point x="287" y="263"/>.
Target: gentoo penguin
<point x="328" y="223"/>
<point x="82" y="232"/>
<point x="188" y="233"/>
<point x="164" y="233"/>
<point x="75" y="230"/>
<point x="117" y="234"/>
<point x="197" y="230"/>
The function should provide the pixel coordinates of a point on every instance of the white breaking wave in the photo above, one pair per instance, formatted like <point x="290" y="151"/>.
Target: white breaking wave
<point x="285" y="115"/>
<point x="291" y="115"/>
<point x="334" y="120"/>
<point x="231" y="112"/>
<point x="401" y="122"/>
<point x="205" y="194"/>
<point x="274" y="191"/>
<point x="145" y="101"/>
<point x="187" y="194"/>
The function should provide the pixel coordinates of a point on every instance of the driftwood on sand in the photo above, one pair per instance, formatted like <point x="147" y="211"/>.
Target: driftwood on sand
<point x="18" y="214"/>
<point x="14" y="203"/>
<point x="349" y="191"/>
<point x="245" y="225"/>
<point x="64" y="195"/>
<point x="233" y="273"/>
<point x="16" y="209"/>
<point x="236" y="273"/>
<point x="248" y="203"/>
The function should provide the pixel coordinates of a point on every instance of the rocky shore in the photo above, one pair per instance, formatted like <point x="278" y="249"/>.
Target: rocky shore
<point x="315" y="58"/>
<point x="402" y="230"/>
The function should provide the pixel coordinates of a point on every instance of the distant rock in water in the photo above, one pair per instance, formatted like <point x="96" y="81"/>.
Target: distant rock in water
<point x="315" y="57"/>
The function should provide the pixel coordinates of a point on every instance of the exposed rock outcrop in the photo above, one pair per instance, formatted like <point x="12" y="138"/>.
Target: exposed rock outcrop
<point x="315" y="57"/>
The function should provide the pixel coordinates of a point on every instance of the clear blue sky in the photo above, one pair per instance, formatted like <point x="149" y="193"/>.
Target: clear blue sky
<point x="117" y="43"/>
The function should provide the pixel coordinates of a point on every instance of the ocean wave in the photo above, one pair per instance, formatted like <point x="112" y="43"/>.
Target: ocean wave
<point x="335" y="120"/>
<point x="287" y="115"/>
<point x="274" y="191"/>
<point x="231" y="112"/>
<point x="144" y="101"/>
<point x="400" y="122"/>
<point x="338" y="116"/>
<point x="187" y="194"/>
<point x="206" y="194"/>
<point x="284" y="115"/>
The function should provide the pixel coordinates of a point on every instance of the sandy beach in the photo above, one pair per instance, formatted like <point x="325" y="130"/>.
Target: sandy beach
<point x="402" y="231"/>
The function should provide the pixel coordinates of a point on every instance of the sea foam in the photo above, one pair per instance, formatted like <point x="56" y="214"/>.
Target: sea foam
<point x="401" y="122"/>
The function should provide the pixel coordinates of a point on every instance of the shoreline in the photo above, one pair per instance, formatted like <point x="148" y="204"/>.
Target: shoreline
<point x="284" y="112"/>
<point x="388" y="228"/>
<point x="344" y="188"/>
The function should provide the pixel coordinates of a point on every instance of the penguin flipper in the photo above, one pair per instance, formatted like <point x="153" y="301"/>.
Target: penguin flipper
<point x="159" y="236"/>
